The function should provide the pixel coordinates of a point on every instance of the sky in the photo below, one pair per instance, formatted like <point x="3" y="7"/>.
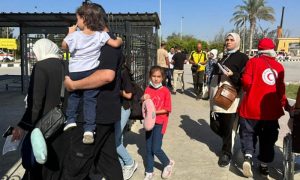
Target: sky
<point x="201" y="18"/>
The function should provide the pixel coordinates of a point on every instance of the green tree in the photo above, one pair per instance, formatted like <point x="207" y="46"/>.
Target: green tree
<point x="188" y="42"/>
<point x="251" y="11"/>
<point x="218" y="41"/>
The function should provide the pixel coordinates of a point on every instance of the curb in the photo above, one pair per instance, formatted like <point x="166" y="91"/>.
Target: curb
<point x="290" y="60"/>
<point x="11" y="65"/>
<point x="16" y="172"/>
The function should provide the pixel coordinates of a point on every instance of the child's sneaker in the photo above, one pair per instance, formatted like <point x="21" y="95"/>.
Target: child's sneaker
<point x="168" y="170"/>
<point x="247" y="166"/>
<point x="264" y="171"/>
<point x="69" y="126"/>
<point x="129" y="170"/>
<point x="148" y="176"/>
<point x="88" y="137"/>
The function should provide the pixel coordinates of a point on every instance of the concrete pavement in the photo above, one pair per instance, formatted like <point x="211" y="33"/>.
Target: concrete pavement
<point x="188" y="140"/>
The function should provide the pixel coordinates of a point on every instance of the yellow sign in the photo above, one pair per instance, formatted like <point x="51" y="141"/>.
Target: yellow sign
<point x="8" y="43"/>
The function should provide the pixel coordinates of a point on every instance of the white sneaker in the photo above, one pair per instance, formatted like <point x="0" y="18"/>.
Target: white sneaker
<point x="88" y="137"/>
<point x="70" y="125"/>
<point x="129" y="170"/>
<point x="168" y="170"/>
<point x="247" y="167"/>
<point x="148" y="176"/>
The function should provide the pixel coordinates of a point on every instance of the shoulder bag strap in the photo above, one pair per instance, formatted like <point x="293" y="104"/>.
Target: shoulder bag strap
<point x="219" y="74"/>
<point x="62" y="90"/>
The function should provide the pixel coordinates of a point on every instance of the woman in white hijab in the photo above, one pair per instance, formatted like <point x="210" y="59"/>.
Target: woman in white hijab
<point x="44" y="49"/>
<point x="43" y="95"/>
<point x="222" y="120"/>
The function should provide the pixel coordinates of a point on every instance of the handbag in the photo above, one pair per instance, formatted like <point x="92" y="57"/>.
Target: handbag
<point x="39" y="146"/>
<point x="53" y="120"/>
<point x="149" y="114"/>
<point x="205" y="92"/>
<point x="225" y="95"/>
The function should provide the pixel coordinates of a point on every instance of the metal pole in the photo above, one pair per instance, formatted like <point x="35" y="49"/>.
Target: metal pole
<point x="282" y="14"/>
<point x="181" y="28"/>
<point x="244" y="35"/>
<point x="160" y="18"/>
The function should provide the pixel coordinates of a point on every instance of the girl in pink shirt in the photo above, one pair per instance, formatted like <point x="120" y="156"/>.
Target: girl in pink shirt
<point x="160" y="95"/>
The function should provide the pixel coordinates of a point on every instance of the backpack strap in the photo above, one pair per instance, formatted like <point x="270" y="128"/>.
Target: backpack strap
<point x="62" y="89"/>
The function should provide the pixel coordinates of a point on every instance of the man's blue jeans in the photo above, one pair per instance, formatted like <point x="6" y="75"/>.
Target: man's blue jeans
<point x="124" y="157"/>
<point x="153" y="146"/>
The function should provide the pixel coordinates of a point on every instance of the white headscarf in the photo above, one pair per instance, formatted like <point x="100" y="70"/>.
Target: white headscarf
<point x="44" y="49"/>
<point x="214" y="52"/>
<point x="269" y="52"/>
<point x="237" y="40"/>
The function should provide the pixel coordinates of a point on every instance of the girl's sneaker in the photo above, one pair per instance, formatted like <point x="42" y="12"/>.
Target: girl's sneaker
<point x="148" y="176"/>
<point x="168" y="170"/>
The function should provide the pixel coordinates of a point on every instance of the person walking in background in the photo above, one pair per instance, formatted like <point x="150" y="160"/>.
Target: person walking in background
<point x="211" y="63"/>
<point x="128" y="164"/>
<point x="171" y="68"/>
<point x="222" y="120"/>
<point x="161" y="98"/>
<point x="261" y="107"/>
<point x="198" y="61"/>
<point x="84" y="47"/>
<point x="163" y="59"/>
<point x="178" y="61"/>
<point x="43" y="95"/>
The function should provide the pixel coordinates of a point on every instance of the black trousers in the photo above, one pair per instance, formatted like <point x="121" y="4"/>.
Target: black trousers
<point x="222" y="125"/>
<point x="94" y="161"/>
<point x="169" y="74"/>
<point x="267" y="133"/>
<point x="198" y="79"/>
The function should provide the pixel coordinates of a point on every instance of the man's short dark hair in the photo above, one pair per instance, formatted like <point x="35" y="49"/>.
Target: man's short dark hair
<point x="178" y="47"/>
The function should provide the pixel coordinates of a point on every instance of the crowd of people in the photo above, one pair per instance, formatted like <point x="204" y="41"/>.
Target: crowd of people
<point x="98" y="105"/>
<point x="258" y="83"/>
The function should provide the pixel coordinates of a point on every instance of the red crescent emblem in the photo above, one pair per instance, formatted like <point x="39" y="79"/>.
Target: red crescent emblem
<point x="269" y="76"/>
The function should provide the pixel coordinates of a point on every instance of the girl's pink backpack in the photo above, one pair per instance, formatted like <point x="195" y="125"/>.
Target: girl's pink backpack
<point x="149" y="114"/>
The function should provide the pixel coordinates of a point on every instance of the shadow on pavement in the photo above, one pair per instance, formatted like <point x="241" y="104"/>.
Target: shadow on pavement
<point x="190" y="92"/>
<point x="201" y="132"/>
<point x="139" y="140"/>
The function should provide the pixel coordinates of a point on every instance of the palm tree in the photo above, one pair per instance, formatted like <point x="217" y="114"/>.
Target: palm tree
<point x="251" y="11"/>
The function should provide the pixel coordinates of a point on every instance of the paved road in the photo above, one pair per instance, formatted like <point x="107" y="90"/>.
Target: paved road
<point x="291" y="68"/>
<point x="292" y="73"/>
<point x="189" y="141"/>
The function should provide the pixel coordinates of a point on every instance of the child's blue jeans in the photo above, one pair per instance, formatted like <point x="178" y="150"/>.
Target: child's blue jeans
<point x="89" y="98"/>
<point x="153" y="146"/>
